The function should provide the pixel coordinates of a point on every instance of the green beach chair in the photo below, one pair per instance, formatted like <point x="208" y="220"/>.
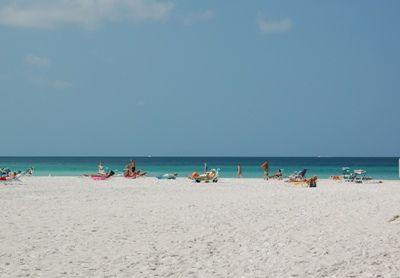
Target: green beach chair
<point x="347" y="174"/>
<point x="359" y="175"/>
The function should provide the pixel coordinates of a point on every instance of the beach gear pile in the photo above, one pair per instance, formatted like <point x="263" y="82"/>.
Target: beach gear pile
<point x="168" y="176"/>
<point x="348" y="175"/>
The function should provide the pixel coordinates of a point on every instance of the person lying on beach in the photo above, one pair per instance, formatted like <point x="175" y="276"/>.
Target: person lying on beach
<point x="10" y="176"/>
<point x="103" y="171"/>
<point x="207" y="177"/>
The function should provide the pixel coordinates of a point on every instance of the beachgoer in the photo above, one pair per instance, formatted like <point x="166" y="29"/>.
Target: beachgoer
<point x="265" y="167"/>
<point x="132" y="167"/>
<point x="130" y="170"/>
<point x="239" y="171"/>
<point x="205" y="167"/>
<point x="278" y="174"/>
<point x="313" y="181"/>
<point x="30" y="171"/>
<point x="102" y="170"/>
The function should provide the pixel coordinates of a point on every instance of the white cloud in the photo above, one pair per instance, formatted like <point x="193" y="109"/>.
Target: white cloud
<point x="273" y="27"/>
<point x="88" y="13"/>
<point x="39" y="62"/>
<point x="198" y="17"/>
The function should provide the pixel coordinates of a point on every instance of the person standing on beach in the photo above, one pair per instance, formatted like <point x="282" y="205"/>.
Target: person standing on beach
<point x="265" y="167"/>
<point x="205" y="167"/>
<point x="239" y="171"/>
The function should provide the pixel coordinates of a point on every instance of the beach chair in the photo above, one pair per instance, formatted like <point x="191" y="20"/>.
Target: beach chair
<point x="211" y="176"/>
<point x="298" y="176"/>
<point x="360" y="176"/>
<point x="347" y="174"/>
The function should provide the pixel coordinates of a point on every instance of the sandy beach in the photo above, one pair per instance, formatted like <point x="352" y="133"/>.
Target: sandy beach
<point x="76" y="227"/>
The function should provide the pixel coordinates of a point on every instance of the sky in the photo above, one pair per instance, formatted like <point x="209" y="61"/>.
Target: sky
<point x="199" y="78"/>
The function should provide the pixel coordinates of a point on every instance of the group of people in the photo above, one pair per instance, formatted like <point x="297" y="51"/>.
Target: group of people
<point x="265" y="168"/>
<point x="300" y="178"/>
<point x="129" y="171"/>
<point x="8" y="175"/>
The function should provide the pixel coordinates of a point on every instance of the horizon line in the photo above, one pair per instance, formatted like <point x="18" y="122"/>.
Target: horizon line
<point x="191" y="156"/>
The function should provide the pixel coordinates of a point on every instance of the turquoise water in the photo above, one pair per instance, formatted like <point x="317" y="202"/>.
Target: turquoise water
<point x="379" y="168"/>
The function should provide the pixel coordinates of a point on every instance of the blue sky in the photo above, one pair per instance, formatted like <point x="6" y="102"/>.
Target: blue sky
<point x="137" y="77"/>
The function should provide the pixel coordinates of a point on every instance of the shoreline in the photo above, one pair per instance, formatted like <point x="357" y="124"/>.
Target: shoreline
<point x="221" y="179"/>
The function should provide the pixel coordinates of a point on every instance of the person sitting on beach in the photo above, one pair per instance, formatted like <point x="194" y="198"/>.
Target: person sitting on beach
<point x="312" y="182"/>
<point x="265" y="167"/>
<point x="131" y="172"/>
<point x="130" y="169"/>
<point x="29" y="171"/>
<point x="278" y="174"/>
<point x="102" y="170"/>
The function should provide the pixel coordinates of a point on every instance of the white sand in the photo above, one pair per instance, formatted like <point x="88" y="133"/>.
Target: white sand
<point x="55" y="227"/>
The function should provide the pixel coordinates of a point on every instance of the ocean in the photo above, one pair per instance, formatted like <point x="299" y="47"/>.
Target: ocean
<point x="323" y="167"/>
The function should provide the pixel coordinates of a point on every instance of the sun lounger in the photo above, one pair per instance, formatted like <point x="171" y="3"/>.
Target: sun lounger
<point x="347" y="174"/>
<point x="298" y="176"/>
<point x="211" y="176"/>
